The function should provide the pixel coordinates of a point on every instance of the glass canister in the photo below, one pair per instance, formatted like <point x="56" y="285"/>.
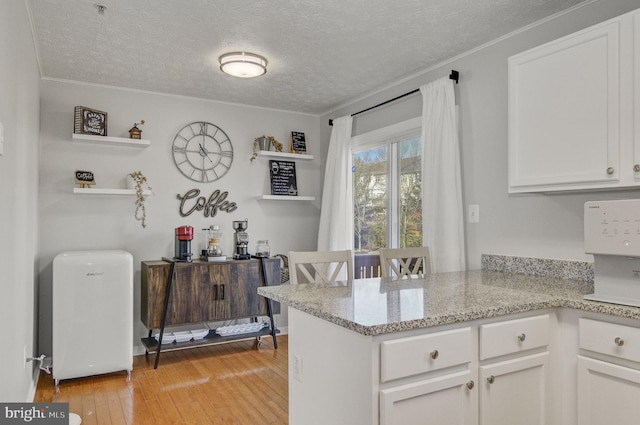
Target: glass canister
<point x="214" y="241"/>
<point x="262" y="249"/>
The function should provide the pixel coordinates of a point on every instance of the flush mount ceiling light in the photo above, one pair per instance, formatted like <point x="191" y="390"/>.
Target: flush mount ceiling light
<point x="243" y="64"/>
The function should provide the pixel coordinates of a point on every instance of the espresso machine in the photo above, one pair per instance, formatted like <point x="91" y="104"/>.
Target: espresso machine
<point x="184" y="236"/>
<point x="241" y="240"/>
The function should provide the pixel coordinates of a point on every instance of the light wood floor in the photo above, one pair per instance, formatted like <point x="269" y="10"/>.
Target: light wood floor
<point x="224" y="384"/>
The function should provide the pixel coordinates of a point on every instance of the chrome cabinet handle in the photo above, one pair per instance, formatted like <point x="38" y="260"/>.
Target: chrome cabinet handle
<point x="470" y="385"/>
<point x="522" y="337"/>
<point x="619" y="341"/>
<point x="610" y="170"/>
<point x="636" y="168"/>
<point x="491" y="379"/>
<point x="434" y="354"/>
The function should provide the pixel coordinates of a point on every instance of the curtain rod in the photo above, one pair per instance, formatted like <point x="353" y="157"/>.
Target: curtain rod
<point x="455" y="75"/>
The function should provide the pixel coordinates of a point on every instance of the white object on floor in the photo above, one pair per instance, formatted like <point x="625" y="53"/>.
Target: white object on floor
<point x="92" y="313"/>
<point x="74" y="419"/>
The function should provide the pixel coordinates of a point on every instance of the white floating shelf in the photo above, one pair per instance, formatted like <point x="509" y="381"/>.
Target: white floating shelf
<point x="275" y="154"/>
<point x="101" y="191"/>
<point x="108" y="140"/>
<point x="287" y="198"/>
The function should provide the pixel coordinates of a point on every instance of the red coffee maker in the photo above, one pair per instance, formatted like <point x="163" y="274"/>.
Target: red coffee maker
<point x="184" y="236"/>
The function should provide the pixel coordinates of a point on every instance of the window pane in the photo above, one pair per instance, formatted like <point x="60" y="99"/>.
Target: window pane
<point x="410" y="211"/>
<point x="370" y="183"/>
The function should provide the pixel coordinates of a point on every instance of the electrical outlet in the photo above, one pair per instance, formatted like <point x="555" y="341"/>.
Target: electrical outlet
<point x="297" y="367"/>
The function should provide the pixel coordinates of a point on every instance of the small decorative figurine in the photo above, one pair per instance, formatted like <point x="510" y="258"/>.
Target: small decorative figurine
<point x="135" y="132"/>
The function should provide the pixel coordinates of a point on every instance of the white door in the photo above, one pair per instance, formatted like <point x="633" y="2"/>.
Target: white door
<point x="607" y="393"/>
<point x="514" y="391"/>
<point x="447" y="400"/>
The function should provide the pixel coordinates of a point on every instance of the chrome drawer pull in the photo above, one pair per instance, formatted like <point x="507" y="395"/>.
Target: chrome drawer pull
<point x="619" y="341"/>
<point x="491" y="379"/>
<point x="470" y="385"/>
<point x="434" y="354"/>
<point x="522" y="337"/>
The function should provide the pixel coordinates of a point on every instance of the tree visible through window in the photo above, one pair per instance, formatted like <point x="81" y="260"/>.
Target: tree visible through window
<point x="387" y="197"/>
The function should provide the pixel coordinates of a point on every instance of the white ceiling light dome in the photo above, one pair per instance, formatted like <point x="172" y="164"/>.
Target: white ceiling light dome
<point x="243" y="64"/>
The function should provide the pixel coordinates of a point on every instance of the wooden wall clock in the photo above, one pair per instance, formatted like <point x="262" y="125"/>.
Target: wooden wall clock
<point x="202" y="151"/>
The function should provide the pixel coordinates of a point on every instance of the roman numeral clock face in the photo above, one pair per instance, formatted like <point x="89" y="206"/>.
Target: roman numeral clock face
<point x="202" y="152"/>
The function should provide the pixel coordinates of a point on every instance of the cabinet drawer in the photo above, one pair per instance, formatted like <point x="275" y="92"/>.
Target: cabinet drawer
<point x="610" y="338"/>
<point x="424" y="353"/>
<point x="513" y="336"/>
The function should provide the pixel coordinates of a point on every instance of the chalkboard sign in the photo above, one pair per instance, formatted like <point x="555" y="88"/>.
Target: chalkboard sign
<point x="84" y="178"/>
<point x="283" y="178"/>
<point x="89" y="121"/>
<point x="298" y="142"/>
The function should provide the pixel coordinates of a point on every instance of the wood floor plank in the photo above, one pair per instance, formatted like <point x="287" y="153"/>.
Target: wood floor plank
<point x="241" y="383"/>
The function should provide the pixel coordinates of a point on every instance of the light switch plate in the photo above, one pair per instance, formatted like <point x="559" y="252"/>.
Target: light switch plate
<point x="474" y="213"/>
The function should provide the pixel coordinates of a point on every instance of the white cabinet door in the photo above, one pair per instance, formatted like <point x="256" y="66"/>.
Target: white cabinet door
<point x="636" y="96"/>
<point x="607" y="393"/>
<point x="447" y="400"/>
<point x="564" y="112"/>
<point x="514" y="391"/>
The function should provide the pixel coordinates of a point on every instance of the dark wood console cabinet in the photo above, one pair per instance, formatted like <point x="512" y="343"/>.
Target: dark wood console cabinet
<point x="205" y="292"/>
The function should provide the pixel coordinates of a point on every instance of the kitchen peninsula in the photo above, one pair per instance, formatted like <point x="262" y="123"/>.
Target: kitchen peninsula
<point x="477" y="347"/>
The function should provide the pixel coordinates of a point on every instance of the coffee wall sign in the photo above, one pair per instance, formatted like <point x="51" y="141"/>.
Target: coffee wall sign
<point x="191" y="201"/>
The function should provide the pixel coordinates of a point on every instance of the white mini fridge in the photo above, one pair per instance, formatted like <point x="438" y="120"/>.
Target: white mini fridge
<point x="92" y="313"/>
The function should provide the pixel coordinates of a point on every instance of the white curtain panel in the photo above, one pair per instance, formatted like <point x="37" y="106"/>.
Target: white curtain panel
<point x="443" y="215"/>
<point x="336" y="215"/>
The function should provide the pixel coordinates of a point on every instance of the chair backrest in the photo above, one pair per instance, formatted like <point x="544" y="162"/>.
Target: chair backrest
<point x="401" y="262"/>
<point x="319" y="266"/>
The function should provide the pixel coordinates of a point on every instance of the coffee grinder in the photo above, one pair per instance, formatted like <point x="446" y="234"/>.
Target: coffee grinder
<point x="184" y="236"/>
<point x="241" y="240"/>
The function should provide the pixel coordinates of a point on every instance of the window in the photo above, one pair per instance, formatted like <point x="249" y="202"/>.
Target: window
<point x="387" y="198"/>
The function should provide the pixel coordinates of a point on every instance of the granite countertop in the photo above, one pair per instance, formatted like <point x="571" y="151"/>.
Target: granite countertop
<point x="376" y="306"/>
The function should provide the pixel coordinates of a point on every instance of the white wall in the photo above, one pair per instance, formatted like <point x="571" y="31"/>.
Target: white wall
<point x="80" y="222"/>
<point x="536" y="225"/>
<point x="19" y="114"/>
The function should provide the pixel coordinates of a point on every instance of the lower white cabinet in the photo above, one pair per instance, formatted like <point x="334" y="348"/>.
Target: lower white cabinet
<point x="505" y="382"/>
<point x="609" y="385"/>
<point x="558" y="367"/>
<point x="515" y="391"/>
<point x="607" y="393"/>
<point x="448" y="399"/>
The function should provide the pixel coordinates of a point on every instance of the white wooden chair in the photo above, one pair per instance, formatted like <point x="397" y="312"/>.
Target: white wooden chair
<point x="400" y="262"/>
<point x="319" y="266"/>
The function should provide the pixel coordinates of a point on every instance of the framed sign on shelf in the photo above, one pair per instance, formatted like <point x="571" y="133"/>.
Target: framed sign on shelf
<point x="283" y="178"/>
<point x="298" y="142"/>
<point x="89" y="121"/>
<point x="85" y="178"/>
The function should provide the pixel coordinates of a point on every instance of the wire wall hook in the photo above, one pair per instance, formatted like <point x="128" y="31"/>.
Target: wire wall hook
<point x="42" y="363"/>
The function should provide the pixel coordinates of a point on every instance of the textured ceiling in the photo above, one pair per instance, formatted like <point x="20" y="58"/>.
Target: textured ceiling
<point x="321" y="53"/>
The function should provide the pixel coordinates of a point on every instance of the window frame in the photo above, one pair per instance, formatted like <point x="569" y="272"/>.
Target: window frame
<point x="389" y="136"/>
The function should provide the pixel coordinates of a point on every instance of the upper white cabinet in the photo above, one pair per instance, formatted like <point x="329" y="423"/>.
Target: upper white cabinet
<point x="571" y="110"/>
